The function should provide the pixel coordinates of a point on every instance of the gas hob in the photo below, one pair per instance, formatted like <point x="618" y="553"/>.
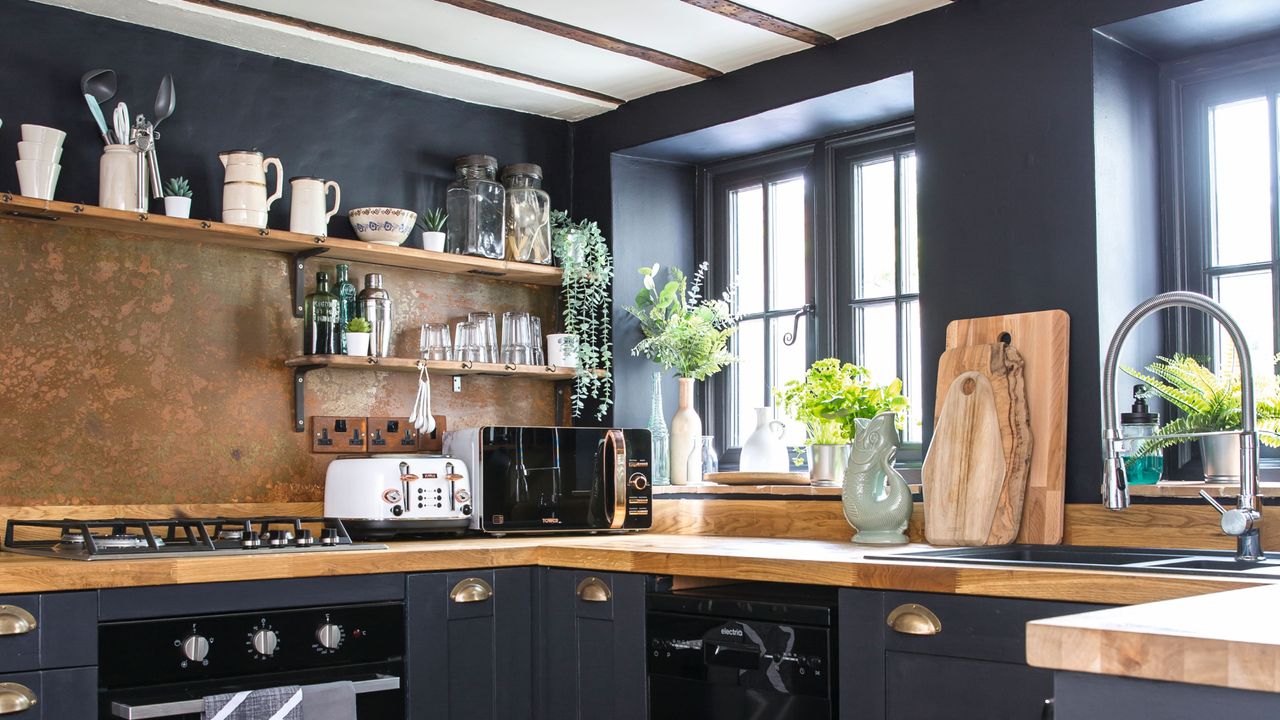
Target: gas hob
<point x="131" y="538"/>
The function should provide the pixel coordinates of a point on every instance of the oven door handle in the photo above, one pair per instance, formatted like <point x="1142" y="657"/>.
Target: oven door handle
<point x="193" y="707"/>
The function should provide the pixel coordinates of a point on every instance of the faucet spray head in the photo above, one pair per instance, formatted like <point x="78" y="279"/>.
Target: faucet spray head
<point x="1115" y="484"/>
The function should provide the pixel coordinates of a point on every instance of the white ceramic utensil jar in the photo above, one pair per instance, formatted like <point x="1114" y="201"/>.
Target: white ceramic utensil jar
<point x="118" y="177"/>
<point x="244" y="189"/>
<point x="307" y="213"/>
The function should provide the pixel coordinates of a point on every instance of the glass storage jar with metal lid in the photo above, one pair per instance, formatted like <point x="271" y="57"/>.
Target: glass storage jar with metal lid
<point x="528" y="214"/>
<point x="476" y="204"/>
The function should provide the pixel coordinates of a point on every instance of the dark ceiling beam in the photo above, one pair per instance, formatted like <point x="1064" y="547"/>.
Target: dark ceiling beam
<point x="361" y="39"/>
<point x="587" y="37"/>
<point x="764" y="21"/>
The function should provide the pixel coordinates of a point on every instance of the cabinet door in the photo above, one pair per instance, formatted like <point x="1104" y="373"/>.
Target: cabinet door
<point x="470" y="645"/>
<point x="592" y="646"/>
<point x="933" y="687"/>
<point x="70" y="694"/>
<point x="53" y="630"/>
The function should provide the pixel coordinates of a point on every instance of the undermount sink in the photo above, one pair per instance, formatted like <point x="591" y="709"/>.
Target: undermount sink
<point x="1195" y="562"/>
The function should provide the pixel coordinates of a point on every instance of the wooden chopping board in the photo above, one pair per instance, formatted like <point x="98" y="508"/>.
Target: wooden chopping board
<point x="1043" y="340"/>
<point x="975" y="474"/>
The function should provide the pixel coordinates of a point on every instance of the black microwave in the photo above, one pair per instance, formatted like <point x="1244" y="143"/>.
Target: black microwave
<point x="557" y="479"/>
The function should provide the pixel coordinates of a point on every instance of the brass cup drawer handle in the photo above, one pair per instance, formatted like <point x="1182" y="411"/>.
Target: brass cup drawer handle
<point x="913" y="619"/>
<point x="470" y="590"/>
<point x="593" y="589"/>
<point x="15" y="698"/>
<point x="15" y="620"/>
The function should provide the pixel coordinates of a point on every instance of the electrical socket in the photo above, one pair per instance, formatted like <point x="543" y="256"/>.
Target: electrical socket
<point x="330" y="434"/>
<point x="391" y="435"/>
<point x="434" y="440"/>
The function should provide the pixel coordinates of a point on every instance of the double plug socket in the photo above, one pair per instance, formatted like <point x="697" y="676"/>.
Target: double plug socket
<point x="352" y="435"/>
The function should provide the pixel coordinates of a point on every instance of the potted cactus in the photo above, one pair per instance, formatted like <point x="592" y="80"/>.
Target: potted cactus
<point x="358" y="332"/>
<point x="432" y="223"/>
<point x="177" y="198"/>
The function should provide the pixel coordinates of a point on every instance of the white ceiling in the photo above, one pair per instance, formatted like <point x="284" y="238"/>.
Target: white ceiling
<point x="670" y="26"/>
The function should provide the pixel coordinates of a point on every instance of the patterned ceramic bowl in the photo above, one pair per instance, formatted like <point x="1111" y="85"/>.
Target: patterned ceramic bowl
<point x="382" y="225"/>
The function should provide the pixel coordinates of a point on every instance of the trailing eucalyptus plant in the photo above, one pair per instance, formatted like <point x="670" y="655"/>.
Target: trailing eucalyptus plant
<point x="583" y="254"/>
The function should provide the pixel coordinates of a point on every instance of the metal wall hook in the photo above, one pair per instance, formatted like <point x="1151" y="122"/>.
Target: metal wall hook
<point x="789" y="339"/>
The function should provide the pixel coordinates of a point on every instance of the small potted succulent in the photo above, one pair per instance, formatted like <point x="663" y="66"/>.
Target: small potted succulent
<point x="358" y="333"/>
<point x="177" y="198"/>
<point x="432" y="223"/>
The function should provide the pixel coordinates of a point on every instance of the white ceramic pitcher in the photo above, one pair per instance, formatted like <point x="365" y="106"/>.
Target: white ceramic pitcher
<point x="244" y="189"/>
<point x="763" y="451"/>
<point x="307" y="213"/>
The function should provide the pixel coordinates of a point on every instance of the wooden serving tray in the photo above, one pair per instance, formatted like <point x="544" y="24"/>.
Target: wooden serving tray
<point x="757" y="478"/>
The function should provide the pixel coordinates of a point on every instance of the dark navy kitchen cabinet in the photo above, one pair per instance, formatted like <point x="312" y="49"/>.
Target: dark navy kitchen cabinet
<point x="471" y="644"/>
<point x="54" y="630"/>
<point x="922" y="656"/>
<point x="591" y="661"/>
<point x="66" y="694"/>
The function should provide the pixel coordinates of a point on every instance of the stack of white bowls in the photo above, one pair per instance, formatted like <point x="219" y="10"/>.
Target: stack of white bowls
<point x="39" y="153"/>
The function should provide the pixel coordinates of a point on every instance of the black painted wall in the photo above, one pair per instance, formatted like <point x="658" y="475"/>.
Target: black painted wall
<point x="1004" y="126"/>
<point x="384" y="144"/>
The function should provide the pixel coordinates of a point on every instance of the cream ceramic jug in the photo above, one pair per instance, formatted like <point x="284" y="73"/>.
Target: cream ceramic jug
<point x="244" y="189"/>
<point x="307" y="213"/>
<point x="764" y="451"/>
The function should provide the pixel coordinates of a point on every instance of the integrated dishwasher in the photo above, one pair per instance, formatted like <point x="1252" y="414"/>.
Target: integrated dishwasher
<point x="742" y="651"/>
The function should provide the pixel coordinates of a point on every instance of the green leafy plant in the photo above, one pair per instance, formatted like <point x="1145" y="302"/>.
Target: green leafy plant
<point x="833" y="395"/>
<point x="682" y="329"/>
<point x="359" y="325"/>
<point x="583" y="254"/>
<point x="433" y="220"/>
<point x="1208" y="401"/>
<point x="177" y="187"/>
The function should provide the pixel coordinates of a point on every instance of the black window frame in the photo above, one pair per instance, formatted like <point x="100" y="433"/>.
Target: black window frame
<point x="829" y="278"/>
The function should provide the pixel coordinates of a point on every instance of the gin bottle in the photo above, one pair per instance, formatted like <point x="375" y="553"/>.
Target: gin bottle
<point x="346" y="292"/>
<point x="321" y="311"/>
<point x="661" y="438"/>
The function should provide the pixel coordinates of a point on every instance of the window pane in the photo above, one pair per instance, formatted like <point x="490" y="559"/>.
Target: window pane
<point x="1240" y="186"/>
<point x="910" y="242"/>
<point x="914" y="376"/>
<point x="787" y="248"/>
<point x="749" y="390"/>
<point x="789" y="363"/>
<point x="874" y="241"/>
<point x="746" y="208"/>
<point x="875" y="332"/>
<point x="1247" y="297"/>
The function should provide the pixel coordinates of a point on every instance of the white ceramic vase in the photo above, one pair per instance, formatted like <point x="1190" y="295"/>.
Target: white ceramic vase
<point x="763" y="451"/>
<point x="686" y="434"/>
<point x="177" y="206"/>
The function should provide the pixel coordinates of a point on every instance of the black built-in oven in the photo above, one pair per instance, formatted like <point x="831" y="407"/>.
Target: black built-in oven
<point x="163" y="668"/>
<point x="741" y="652"/>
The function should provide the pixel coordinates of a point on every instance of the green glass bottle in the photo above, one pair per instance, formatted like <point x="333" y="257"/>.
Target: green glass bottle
<point x="346" y="292"/>
<point x="321" y="311"/>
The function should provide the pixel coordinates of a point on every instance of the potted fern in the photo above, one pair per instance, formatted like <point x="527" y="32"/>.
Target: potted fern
<point x="177" y="198"/>
<point x="432" y="224"/>
<point x="1209" y="402"/>
<point x="584" y="255"/>
<point x="358" y="332"/>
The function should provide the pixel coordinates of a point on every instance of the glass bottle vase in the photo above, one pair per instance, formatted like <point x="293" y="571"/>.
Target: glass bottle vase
<point x="661" y="439"/>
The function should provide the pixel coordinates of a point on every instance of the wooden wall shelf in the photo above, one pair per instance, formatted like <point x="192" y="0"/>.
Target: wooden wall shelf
<point x="162" y="227"/>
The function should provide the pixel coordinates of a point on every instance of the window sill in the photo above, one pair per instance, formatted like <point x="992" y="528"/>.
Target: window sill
<point x="1177" y="489"/>
<point x="751" y="492"/>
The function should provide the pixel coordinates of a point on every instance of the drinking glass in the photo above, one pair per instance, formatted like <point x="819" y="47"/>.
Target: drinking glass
<point x="516" y="348"/>
<point x="469" y="343"/>
<point x="489" y="333"/>
<point x="434" y="342"/>
<point x="535" y="336"/>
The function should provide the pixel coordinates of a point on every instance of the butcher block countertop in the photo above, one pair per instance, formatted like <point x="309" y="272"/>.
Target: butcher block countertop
<point x="1224" y="639"/>
<point x="736" y="558"/>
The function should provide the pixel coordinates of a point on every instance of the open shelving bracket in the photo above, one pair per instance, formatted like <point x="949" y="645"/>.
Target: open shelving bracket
<point x="298" y="266"/>
<point x="300" y="396"/>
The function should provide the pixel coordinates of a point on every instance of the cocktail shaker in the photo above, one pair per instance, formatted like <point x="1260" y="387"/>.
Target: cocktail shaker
<point x="374" y="304"/>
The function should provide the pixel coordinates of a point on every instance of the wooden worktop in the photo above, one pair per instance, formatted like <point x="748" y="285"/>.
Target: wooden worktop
<point x="1222" y="639"/>
<point x="738" y="558"/>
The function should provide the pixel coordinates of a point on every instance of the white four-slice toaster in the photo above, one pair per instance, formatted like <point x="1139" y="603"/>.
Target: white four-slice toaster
<point x="398" y="495"/>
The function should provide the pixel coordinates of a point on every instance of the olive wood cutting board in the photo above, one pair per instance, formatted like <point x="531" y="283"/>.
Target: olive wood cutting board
<point x="1042" y="338"/>
<point x="975" y="474"/>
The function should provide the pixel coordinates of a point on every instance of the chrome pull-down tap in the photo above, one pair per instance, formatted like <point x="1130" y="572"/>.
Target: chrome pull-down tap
<point x="1242" y="522"/>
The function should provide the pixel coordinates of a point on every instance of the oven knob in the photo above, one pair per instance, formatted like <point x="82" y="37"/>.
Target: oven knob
<point x="329" y="636"/>
<point x="265" y="642"/>
<point x="639" y="481"/>
<point x="195" y="648"/>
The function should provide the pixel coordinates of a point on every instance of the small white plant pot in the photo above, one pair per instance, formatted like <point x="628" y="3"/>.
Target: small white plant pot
<point x="176" y="206"/>
<point x="433" y="240"/>
<point x="358" y="344"/>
